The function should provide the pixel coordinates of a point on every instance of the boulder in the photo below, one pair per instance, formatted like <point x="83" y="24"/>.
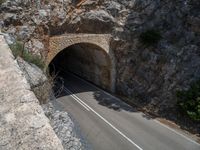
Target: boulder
<point x="35" y="46"/>
<point x="97" y="22"/>
<point x="32" y="73"/>
<point x="113" y="8"/>
<point x="10" y="39"/>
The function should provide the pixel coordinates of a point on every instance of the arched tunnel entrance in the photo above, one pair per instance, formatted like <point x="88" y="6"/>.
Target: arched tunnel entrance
<point x="87" y="61"/>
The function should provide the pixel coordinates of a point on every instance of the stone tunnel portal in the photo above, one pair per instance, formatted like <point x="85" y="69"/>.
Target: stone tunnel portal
<point x="88" y="61"/>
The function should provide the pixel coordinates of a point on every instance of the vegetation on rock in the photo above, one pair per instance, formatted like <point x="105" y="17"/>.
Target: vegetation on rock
<point x="150" y="37"/>
<point x="2" y="1"/>
<point x="18" y="50"/>
<point x="189" y="101"/>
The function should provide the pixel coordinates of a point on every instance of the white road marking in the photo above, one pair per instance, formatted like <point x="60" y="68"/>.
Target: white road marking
<point x="156" y="121"/>
<point x="73" y="96"/>
<point x="88" y="107"/>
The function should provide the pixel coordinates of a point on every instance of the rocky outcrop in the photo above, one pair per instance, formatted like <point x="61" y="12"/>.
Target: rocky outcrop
<point x="23" y="124"/>
<point x="96" y="21"/>
<point x="32" y="73"/>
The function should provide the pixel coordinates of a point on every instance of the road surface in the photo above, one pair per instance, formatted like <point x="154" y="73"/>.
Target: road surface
<point x="110" y="124"/>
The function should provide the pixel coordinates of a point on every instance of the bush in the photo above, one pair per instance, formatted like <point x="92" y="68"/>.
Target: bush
<point x="2" y="1"/>
<point x="18" y="50"/>
<point x="189" y="101"/>
<point x="51" y="88"/>
<point x="150" y="37"/>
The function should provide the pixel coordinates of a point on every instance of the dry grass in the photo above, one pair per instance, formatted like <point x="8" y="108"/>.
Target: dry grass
<point x="44" y="91"/>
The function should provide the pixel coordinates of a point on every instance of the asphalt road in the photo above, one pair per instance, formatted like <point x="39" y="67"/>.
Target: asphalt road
<point x="110" y="124"/>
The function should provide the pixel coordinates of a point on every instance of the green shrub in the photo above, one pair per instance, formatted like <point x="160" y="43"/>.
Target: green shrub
<point x="18" y="50"/>
<point x="46" y="2"/>
<point x="189" y="101"/>
<point x="2" y="1"/>
<point x="150" y="37"/>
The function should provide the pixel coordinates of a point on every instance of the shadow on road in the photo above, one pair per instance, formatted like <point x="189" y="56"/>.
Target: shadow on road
<point x="87" y="91"/>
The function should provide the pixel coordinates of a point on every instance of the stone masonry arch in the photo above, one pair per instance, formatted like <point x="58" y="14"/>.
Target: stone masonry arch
<point x="59" y="43"/>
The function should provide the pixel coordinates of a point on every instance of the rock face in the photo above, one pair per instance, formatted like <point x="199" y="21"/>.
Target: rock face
<point x="23" y="124"/>
<point x="98" y="21"/>
<point x="149" y="75"/>
<point x="32" y="73"/>
<point x="153" y="74"/>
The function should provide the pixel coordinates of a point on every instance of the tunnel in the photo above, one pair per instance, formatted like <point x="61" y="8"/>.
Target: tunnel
<point x="87" y="61"/>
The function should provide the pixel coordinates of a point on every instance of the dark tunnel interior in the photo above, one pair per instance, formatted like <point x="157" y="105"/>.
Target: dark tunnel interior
<point x="88" y="61"/>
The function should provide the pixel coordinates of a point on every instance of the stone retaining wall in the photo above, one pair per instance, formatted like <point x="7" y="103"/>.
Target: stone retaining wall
<point x="59" y="43"/>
